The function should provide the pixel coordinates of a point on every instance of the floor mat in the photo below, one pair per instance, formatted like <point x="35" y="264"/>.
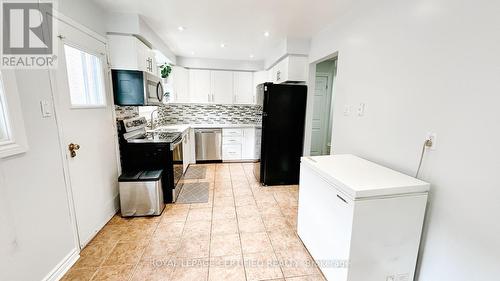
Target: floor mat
<point x="195" y="173"/>
<point x="196" y="192"/>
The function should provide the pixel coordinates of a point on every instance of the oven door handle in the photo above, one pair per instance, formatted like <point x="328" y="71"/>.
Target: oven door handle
<point x="175" y="144"/>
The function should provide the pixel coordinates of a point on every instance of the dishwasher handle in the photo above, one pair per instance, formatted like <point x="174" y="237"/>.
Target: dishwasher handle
<point x="207" y="131"/>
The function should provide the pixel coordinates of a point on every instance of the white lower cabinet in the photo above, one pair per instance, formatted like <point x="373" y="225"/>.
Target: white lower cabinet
<point x="248" y="144"/>
<point x="231" y="152"/>
<point x="186" y="152"/>
<point x="240" y="144"/>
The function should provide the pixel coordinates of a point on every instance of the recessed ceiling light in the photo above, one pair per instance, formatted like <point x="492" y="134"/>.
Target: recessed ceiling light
<point x="251" y="56"/>
<point x="266" y="33"/>
<point x="222" y="45"/>
<point x="180" y="28"/>
<point x="192" y="53"/>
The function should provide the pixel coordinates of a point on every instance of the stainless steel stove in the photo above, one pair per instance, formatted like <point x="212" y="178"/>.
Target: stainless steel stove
<point x="142" y="149"/>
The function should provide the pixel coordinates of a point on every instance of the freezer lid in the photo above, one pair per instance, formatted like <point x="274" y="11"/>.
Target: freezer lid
<point x="360" y="178"/>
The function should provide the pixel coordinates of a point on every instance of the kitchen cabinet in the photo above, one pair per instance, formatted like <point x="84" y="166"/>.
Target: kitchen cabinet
<point x="243" y="87"/>
<point x="192" y="147"/>
<point x="180" y="84"/>
<point x="221" y="87"/>
<point x="129" y="53"/>
<point x="259" y="77"/>
<point x="212" y="86"/>
<point x="370" y="225"/>
<point x="248" y="144"/>
<point x="240" y="144"/>
<point x="291" y="68"/>
<point x="199" y="86"/>
<point x="186" y="151"/>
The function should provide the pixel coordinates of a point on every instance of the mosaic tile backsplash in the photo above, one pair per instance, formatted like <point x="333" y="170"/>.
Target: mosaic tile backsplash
<point x="124" y="112"/>
<point x="171" y="114"/>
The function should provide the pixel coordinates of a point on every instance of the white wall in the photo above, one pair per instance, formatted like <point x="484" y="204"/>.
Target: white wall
<point x="85" y="12"/>
<point x="284" y="47"/>
<point x="35" y="229"/>
<point x="420" y="66"/>
<point x="34" y="200"/>
<point x="205" y="63"/>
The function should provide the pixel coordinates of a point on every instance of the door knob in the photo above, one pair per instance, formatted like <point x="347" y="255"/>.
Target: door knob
<point x="73" y="147"/>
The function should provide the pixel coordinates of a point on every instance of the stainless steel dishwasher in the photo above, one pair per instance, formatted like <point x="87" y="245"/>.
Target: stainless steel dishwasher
<point x="208" y="144"/>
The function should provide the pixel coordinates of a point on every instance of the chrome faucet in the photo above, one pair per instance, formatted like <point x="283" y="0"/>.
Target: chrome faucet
<point x="152" y="119"/>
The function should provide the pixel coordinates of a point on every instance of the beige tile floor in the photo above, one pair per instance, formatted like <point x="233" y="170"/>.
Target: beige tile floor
<point x="245" y="232"/>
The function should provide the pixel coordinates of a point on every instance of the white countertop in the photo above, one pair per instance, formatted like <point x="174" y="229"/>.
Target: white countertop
<point x="360" y="178"/>
<point x="183" y="128"/>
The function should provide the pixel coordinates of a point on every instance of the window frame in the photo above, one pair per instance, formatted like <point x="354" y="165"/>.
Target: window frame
<point x="103" y="72"/>
<point x="17" y="142"/>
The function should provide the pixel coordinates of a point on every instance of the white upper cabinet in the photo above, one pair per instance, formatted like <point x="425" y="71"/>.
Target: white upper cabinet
<point x="180" y="80"/>
<point x="291" y="68"/>
<point x="212" y="86"/>
<point x="128" y="52"/>
<point x="259" y="77"/>
<point x="243" y="88"/>
<point x="221" y="90"/>
<point x="199" y="86"/>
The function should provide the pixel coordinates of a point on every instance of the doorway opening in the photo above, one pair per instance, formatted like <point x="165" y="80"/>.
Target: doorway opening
<point x="322" y="120"/>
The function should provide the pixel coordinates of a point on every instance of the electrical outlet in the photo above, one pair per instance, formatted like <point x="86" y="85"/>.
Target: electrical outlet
<point x="433" y="138"/>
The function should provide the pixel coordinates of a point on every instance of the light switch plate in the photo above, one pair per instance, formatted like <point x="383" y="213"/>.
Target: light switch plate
<point x="347" y="110"/>
<point x="361" y="109"/>
<point x="46" y="107"/>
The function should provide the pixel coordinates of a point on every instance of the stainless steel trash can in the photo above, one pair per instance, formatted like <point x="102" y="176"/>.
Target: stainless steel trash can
<point x="141" y="193"/>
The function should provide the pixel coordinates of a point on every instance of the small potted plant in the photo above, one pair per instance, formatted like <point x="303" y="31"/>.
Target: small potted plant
<point x="165" y="70"/>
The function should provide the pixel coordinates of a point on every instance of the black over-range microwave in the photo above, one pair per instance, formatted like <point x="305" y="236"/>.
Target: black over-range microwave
<point x="132" y="87"/>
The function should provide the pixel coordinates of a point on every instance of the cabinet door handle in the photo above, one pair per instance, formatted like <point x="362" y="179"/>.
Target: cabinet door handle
<point x="340" y="197"/>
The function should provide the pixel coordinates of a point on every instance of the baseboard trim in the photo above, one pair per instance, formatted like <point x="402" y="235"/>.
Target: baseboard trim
<point x="113" y="209"/>
<point x="58" y="272"/>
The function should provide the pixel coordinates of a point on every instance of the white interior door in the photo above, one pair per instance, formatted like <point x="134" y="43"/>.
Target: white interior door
<point x="320" y="116"/>
<point x="84" y="106"/>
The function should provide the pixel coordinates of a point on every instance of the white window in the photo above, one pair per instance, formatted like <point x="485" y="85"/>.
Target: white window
<point x="4" y="125"/>
<point x="12" y="135"/>
<point x="85" y="78"/>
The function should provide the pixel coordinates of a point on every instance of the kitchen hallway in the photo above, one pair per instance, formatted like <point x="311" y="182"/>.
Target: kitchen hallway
<point x="244" y="232"/>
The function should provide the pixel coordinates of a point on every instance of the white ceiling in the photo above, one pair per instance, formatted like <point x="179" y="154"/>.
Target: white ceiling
<point x="240" y="24"/>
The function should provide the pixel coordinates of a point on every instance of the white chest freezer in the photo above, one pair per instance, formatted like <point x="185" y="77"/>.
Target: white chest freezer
<point x="360" y="221"/>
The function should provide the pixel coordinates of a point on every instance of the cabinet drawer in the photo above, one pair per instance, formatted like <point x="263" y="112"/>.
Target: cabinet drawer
<point x="231" y="140"/>
<point x="232" y="132"/>
<point x="231" y="152"/>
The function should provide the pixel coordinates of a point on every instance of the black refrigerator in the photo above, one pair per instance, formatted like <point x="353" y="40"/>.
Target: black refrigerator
<point x="283" y="121"/>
